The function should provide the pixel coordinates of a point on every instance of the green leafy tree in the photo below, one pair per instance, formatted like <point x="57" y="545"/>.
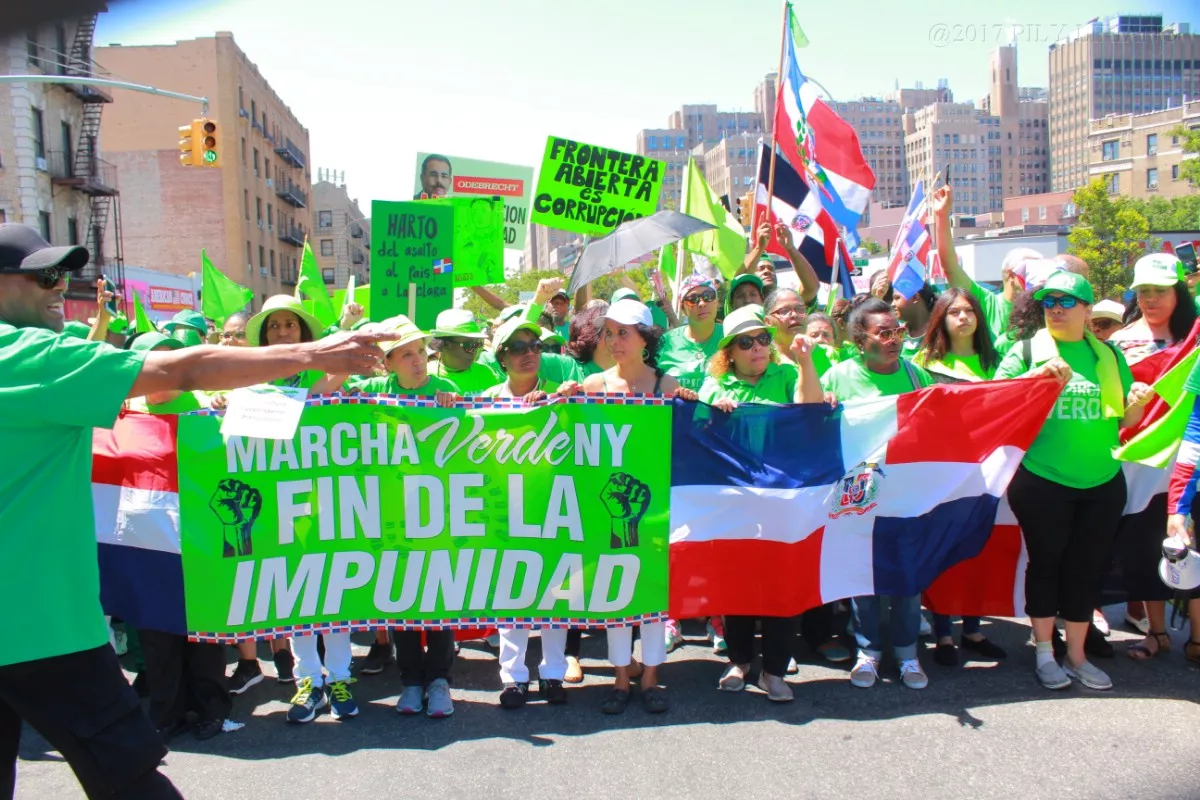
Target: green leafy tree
<point x="1110" y="236"/>
<point x="1189" y="141"/>
<point x="1169" y="214"/>
<point x="872" y="247"/>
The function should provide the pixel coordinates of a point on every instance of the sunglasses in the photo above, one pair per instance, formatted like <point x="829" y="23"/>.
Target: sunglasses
<point x="1066" y="302"/>
<point x="1105" y="323"/>
<point x="552" y="348"/>
<point x="47" y="278"/>
<point x="891" y="335"/>
<point x="468" y="347"/>
<point x="747" y="342"/>
<point x="521" y="348"/>
<point x="239" y="335"/>
<point x="708" y="296"/>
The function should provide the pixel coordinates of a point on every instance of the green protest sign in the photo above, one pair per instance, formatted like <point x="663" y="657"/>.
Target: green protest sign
<point x="477" y="253"/>
<point x="406" y="514"/>
<point x="413" y="242"/>
<point x="591" y="190"/>
<point x="440" y="175"/>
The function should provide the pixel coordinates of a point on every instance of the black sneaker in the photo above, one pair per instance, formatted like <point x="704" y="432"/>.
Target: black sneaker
<point x="379" y="657"/>
<point x="514" y="695"/>
<point x="169" y="732"/>
<point x="553" y="691"/>
<point x="284" y="664"/>
<point x="986" y="648"/>
<point x="247" y="674"/>
<point x="946" y="654"/>
<point x="1096" y="645"/>
<point x="307" y="702"/>
<point x="208" y="728"/>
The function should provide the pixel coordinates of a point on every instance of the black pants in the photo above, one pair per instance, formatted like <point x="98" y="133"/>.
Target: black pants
<point x="1068" y="536"/>
<point x="816" y="625"/>
<point x="420" y="665"/>
<point x="84" y="707"/>
<point x="184" y="676"/>
<point x="574" y="642"/>
<point x="777" y="635"/>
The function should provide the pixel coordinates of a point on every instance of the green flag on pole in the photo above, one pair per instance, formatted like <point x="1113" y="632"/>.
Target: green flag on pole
<point x="141" y="320"/>
<point x="798" y="37"/>
<point x="312" y="286"/>
<point x="725" y="245"/>
<point x="1156" y="445"/>
<point x="220" y="297"/>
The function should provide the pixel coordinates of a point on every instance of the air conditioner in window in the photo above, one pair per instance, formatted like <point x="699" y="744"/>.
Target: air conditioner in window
<point x="41" y="164"/>
<point x="262" y="271"/>
<point x="270" y="183"/>
<point x="260" y="224"/>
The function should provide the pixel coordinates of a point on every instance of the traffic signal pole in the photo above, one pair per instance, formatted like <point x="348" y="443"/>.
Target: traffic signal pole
<point x="104" y="82"/>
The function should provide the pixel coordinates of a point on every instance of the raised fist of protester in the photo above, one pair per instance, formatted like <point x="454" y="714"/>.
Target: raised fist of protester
<point x="764" y="235"/>
<point x="1139" y="395"/>
<point x="942" y="201"/>
<point x="351" y="315"/>
<point x="784" y="234"/>
<point x="802" y="347"/>
<point x="1177" y="526"/>
<point x="546" y="289"/>
<point x="626" y="500"/>
<point x="237" y="505"/>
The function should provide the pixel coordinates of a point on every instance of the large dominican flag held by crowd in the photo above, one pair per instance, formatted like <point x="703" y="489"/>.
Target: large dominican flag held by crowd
<point x="778" y="509"/>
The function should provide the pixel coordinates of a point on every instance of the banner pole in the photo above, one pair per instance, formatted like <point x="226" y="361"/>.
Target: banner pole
<point x="412" y="302"/>
<point x="778" y="99"/>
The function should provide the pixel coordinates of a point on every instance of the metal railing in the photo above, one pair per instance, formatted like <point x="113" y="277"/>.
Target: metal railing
<point x="290" y="193"/>
<point x="100" y="177"/>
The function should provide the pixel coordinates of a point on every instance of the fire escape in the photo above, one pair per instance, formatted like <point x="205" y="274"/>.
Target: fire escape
<point x="85" y="172"/>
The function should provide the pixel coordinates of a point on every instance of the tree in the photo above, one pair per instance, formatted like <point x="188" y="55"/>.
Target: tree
<point x="1189" y="142"/>
<point x="872" y="247"/>
<point x="1169" y="214"/>
<point x="1110" y="236"/>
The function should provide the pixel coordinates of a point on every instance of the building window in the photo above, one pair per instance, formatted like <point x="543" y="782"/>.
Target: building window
<point x="1151" y="144"/>
<point x="258" y="210"/>
<point x="39" y="139"/>
<point x="1113" y="182"/>
<point x="267" y="167"/>
<point x="253" y="110"/>
<point x="325" y="219"/>
<point x="249" y="255"/>
<point x="246" y="202"/>
<point x="1024" y="211"/>
<point x="327" y="274"/>
<point x="1174" y="172"/>
<point x="1110" y="150"/>
<point x="652" y="143"/>
<point x="1041" y="212"/>
<point x="44" y="225"/>
<point x="241" y="98"/>
<point x="243" y="151"/>
<point x="327" y="247"/>
<point x="72" y="231"/>
<point x="256" y="162"/>
<point x="262" y="256"/>
<point x="1152" y="178"/>
<point x="272" y="263"/>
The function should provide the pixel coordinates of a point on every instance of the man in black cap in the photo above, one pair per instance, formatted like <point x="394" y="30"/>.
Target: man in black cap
<point x="57" y="671"/>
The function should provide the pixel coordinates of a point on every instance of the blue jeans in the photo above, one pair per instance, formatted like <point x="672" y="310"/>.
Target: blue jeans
<point x="905" y="625"/>
<point x="941" y="625"/>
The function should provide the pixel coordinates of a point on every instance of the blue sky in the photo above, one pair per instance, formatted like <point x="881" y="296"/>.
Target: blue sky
<point x="376" y="82"/>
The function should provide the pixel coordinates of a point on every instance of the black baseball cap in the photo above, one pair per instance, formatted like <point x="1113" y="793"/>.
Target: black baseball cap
<point x="22" y="249"/>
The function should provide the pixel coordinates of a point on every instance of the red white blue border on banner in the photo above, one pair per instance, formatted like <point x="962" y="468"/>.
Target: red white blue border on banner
<point x="359" y="626"/>
<point x="474" y="404"/>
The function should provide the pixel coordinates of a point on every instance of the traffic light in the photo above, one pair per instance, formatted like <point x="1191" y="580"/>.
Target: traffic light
<point x="746" y="209"/>
<point x="198" y="143"/>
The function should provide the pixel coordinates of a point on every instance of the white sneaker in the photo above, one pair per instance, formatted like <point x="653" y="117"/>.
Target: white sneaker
<point x="926" y="628"/>
<point x="912" y="675"/>
<point x="734" y="679"/>
<point x="793" y="668"/>
<point x="865" y="672"/>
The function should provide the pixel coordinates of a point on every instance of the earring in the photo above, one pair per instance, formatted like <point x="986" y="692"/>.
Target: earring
<point x="645" y="354"/>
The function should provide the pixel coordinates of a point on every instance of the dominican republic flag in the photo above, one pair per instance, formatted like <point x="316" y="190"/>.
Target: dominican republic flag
<point x="804" y="121"/>
<point x="798" y="206"/>
<point x="910" y="254"/>
<point x="778" y="509"/>
<point x="442" y="266"/>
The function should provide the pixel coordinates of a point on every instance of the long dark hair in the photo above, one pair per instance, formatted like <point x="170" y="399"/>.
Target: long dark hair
<point x="652" y="334"/>
<point x="937" y="336"/>
<point x="585" y="330"/>
<point x="1027" y="317"/>
<point x="1182" y="318"/>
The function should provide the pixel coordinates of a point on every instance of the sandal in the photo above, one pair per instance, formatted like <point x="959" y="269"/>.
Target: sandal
<point x="654" y="700"/>
<point x="615" y="701"/>
<point x="1191" y="651"/>
<point x="1143" y="652"/>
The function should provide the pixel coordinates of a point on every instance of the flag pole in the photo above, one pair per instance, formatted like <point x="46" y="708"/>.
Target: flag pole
<point x="778" y="100"/>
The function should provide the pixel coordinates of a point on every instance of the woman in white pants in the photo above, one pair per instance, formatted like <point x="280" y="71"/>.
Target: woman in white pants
<point x="514" y="673"/>
<point x="311" y="682"/>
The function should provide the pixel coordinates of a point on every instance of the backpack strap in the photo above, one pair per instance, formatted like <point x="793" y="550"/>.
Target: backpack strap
<point x="913" y="378"/>
<point x="1027" y="353"/>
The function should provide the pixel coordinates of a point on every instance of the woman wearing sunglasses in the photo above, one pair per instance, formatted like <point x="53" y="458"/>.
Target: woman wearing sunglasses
<point x="458" y="340"/>
<point x="957" y="348"/>
<point x="746" y="369"/>
<point x="1160" y="317"/>
<point x="1069" y="491"/>
<point x="633" y="341"/>
<point x="879" y="371"/>
<point x="685" y="351"/>
<point x="519" y="349"/>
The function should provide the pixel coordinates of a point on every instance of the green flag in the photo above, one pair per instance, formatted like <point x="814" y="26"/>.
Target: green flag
<point x="725" y="245"/>
<point x="141" y="320"/>
<point x="798" y="37"/>
<point x="312" y="285"/>
<point x="1156" y="445"/>
<point x="220" y="297"/>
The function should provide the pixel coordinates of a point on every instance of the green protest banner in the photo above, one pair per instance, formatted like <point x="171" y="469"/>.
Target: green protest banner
<point x="413" y="242"/>
<point x="400" y="513"/>
<point x="477" y="252"/>
<point x="591" y="190"/>
<point x="440" y="175"/>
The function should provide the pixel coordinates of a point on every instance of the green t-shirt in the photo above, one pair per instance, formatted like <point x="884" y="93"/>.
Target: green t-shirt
<point x="911" y="346"/>
<point x="559" y="369"/>
<point x="851" y="380"/>
<point x="53" y="391"/>
<point x="777" y="386"/>
<point x="1075" y="445"/>
<point x="502" y="390"/>
<point x="685" y="360"/>
<point x="471" y="381"/>
<point x="955" y="369"/>
<point x="589" y="368"/>
<point x="188" y="401"/>
<point x="996" y="310"/>
<point x="388" y="384"/>
<point x="303" y="380"/>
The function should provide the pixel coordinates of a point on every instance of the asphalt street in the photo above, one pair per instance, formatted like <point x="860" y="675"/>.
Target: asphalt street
<point x="983" y="730"/>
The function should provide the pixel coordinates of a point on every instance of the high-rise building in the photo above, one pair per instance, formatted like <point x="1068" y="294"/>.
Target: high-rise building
<point x="764" y="101"/>
<point x="1021" y="156"/>
<point x="730" y="166"/>
<point x="341" y="233"/>
<point x="52" y="177"/>
<point x="958" y="137"/>
<point x="253" y="212"/>
<point x="1119" y="65"/>
<point x="671" y="146"/>
<point x="1139" y="155"/>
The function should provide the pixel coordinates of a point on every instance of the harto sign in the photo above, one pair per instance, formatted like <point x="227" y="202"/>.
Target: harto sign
<point x="505" y="187"/>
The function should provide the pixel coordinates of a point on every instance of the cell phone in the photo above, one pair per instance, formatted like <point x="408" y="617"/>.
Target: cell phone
<point x="111" y="288"/>
<point x="947" y="174"/>
<point x="1186" y="252"/>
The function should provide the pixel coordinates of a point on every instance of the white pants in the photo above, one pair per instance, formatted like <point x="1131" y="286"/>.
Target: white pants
<point x="337" y="657"/>
<point x="654" y="645"/>
<point x="514" y="642"/>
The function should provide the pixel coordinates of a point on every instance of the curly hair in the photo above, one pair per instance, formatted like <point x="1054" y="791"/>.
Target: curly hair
<point x="585" y="330"/>
<point x="652" y="334"/>
<point x="863" y="307"/>
<point x="1027" y="317"/>
<point x="721" y="363"/>
<point x="937" y="336"/>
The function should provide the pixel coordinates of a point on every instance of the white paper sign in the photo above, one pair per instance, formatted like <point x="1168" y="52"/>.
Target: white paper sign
<point x="264" y="412"/>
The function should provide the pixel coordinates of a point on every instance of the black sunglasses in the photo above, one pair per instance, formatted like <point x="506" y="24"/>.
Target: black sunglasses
<point x="468" y="347"/>
<point x="47" y="277"/>
<point x="521" y="348"/>
<point x="707" y="296"/>
<point x="747" y="342"/>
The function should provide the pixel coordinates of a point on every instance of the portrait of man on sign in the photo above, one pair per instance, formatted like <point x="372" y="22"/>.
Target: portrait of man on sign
<point x="436" y="175"/>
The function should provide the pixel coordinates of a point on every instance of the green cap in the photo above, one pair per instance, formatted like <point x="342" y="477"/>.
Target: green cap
<point x="118" y="324"/>
<point x="403" y="328"/>
<point x="744" y="320"/>
<point x="510" y="328"/>
<point x="187" y="336"/>
<point x="190" y="319"/>
<point x="281" y="302"/>
<point x="76" y="329"/>
<point x="458" y="322"/>
<point x="1068" y="283"/>
<point x="552" y="337"/>
<point x="624" y="293"/>
<point x="1157" y="269"/>
<point x="744" y="278"/>
<point x="152" y="339"/>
